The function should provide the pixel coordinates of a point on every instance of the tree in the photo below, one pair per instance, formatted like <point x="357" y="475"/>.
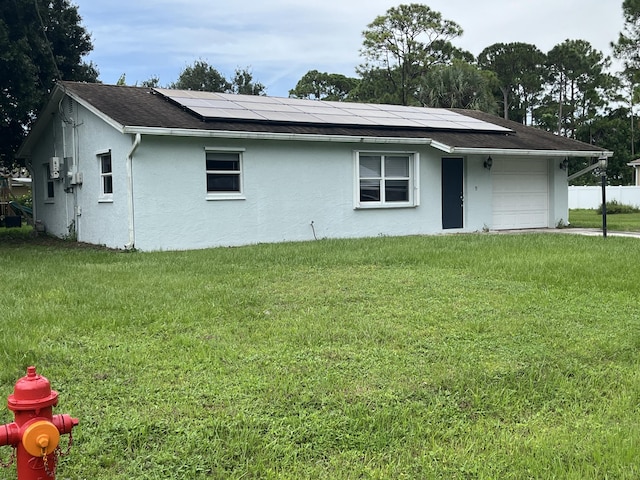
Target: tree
<point x="459" y="85"/>
<point x="405" y="42"/>
<point x="202" y="77"/>
<point x="612" y="132"/>
<point x="519" y="68"/>
<point x="374" y="87"/>
<point x="627" y="48"/>
<point x="315" y="85"/>
<point x="151" y="82"/>
<point x="243" y="83"/>
<point x="579" y="86"/>
<point x="40" y="42"/>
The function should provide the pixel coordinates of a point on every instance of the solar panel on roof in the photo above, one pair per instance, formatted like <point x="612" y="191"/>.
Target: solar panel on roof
<point x="221" y="106"/>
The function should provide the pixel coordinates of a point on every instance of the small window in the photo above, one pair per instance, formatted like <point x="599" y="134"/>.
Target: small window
<point x="106" y="176"/>
<point x="224" y="174"/>
<point x="49" y="180"/>
<point x="386" y="180"/>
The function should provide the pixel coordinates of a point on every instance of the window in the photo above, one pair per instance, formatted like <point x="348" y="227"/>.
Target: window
<point x="224" y="174"/>
<point x="386" y="179"/>
<point x="49" y="180"/>
<point x="106" y="176"/>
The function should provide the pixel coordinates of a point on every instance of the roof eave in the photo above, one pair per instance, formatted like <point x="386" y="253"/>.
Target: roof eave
<point x="43" y="119"/>
<point x="245" y="135"/>
<point x="520" y="152"/>
<point x="57" y="95"/>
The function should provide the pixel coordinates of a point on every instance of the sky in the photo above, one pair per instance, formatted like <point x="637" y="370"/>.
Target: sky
<point x="280" y="40"/>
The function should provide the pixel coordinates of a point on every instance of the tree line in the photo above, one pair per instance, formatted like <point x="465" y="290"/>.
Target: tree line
<point x="409" y="57"/>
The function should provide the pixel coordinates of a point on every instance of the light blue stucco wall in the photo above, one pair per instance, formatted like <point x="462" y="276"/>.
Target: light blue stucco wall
<point x="76" y="209"/>
<point x="287" y="185"/>
<point x="56" y="214"/>
<point x="477" y="204"/>
<point x="558" y="194"/>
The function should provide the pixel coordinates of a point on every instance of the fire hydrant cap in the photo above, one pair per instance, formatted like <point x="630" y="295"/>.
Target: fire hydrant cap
<point x="40" y="437"/>
<point x="32" y="392"/>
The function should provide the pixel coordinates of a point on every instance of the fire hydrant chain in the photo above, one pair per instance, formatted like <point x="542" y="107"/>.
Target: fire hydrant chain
<point x="49" y="473"/>
<point x="69" y="443"/>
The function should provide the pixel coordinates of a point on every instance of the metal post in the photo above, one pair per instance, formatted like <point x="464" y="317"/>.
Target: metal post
<point x="604" y="203"/>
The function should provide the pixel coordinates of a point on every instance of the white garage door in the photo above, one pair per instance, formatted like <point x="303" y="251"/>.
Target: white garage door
<point x="520" y="193"/>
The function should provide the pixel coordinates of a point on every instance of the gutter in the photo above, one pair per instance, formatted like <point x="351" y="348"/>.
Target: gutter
<point x="184" y="132"/>
<point x="520" y="152"/>
<point x="132" y="232"/>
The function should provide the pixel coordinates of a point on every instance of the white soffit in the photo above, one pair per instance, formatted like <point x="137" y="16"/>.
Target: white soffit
<point x="225" y="106"/>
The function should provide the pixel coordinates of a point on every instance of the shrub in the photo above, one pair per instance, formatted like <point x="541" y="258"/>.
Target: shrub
<point x="26" y="200"/>
<point x="614" y="207"/>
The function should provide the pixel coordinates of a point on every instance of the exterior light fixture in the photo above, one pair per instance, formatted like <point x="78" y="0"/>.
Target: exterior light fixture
<point x="488" y="163"/>
<point x="564" y="164"/>
<point x="602" y="162"/>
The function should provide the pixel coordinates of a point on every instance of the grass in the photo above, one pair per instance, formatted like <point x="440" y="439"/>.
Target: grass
<point x="473" y="356"/>
<point x="624" y="222"/>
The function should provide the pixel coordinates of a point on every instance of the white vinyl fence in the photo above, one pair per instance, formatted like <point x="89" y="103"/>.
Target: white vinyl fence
<point x="591" y="197"/>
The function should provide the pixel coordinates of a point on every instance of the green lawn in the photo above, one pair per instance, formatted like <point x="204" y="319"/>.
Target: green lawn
<point x="457" y="357"/>
<point x="624" y="222"/>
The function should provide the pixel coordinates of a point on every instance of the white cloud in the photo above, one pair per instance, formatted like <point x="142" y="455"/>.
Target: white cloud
<point x="282" y="39"/>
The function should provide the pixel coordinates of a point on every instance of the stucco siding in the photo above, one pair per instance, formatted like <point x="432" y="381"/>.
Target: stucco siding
<point x="558" y="195"/>
<point x="477" y="194"/>
<point x="292" y="191"/>
<point x="54" y="213"/>
<point x="98" y="221"/>
<point x="75" y="210"/>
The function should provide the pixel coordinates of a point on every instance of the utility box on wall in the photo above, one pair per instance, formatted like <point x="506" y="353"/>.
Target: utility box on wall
<point x="54" y="167"/>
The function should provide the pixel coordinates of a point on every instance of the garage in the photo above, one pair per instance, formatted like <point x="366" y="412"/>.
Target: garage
<point x="520" y="196"/>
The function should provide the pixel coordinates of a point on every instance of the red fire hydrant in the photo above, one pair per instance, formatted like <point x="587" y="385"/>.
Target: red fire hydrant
<point x="35" y="433"/>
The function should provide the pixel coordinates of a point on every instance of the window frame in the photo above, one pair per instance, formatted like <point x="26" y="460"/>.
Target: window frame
<point x="105" y="197"/>
<point x="225" y="195"/>
<point x="412" y="178"/>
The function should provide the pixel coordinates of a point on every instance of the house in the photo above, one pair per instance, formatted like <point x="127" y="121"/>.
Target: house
<point x="636" y="165"/>
<point x="162" y="169"/>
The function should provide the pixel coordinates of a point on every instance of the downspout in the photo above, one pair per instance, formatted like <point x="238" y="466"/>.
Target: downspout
<point x="132" y="233"/>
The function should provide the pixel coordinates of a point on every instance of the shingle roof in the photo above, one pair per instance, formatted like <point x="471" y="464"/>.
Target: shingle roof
<point x="141" y="107"/>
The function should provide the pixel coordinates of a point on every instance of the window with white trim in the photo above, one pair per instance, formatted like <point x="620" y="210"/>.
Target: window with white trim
<point x="224" y="174"/>
<point x="386" y="179"/>
<point x="106" y="176"/>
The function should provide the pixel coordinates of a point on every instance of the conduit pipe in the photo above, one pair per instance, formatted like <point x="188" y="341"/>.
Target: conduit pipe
<point x="132" y="233"/>
<point x="601" y="163"/>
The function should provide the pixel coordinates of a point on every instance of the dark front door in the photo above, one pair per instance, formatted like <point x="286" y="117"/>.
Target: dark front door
<point x="452" y="193"/>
